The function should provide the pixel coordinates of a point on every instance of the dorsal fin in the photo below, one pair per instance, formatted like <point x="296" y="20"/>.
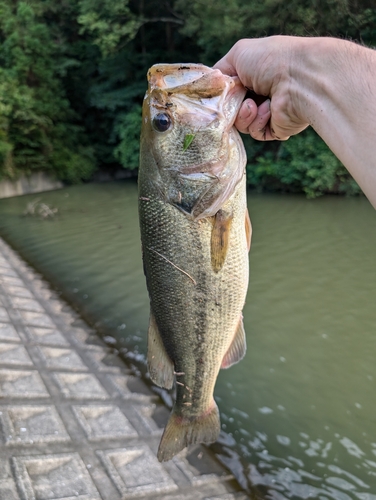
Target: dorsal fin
<point x="237" y="349"/>
<point x="219" y="239"/>
<point x="248" y="229"/>
<point x="161" y="368"/>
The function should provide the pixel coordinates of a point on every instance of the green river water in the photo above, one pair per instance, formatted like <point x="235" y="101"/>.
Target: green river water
<point x="300" y="410"/>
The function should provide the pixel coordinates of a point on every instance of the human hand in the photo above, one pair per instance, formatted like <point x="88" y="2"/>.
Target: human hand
<point x="267" y="66"/>
<point x="324" y="82"/>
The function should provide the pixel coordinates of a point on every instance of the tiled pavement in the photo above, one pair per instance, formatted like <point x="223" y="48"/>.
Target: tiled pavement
<point x="74" y="422"/>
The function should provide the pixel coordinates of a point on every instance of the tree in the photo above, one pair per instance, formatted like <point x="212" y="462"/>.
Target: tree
<point x="37" y="122"/>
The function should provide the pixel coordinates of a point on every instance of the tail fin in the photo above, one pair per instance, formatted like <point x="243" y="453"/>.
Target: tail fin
<point x="181" y="432"/>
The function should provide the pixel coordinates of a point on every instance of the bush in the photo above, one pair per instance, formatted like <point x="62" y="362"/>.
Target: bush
<point x="37" y="123"/>
<point x="303" y="163"/>
<point x="128" y="130"/>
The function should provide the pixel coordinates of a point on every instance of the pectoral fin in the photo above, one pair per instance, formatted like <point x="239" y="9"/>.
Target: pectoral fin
<point x="248" y="229"/>
<point x="237" y="349"/>
<point x="161" y="368"/>
<point x="219" y="239"/>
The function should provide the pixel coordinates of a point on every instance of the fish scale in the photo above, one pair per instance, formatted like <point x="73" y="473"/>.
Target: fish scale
<point x="196" y="301"/>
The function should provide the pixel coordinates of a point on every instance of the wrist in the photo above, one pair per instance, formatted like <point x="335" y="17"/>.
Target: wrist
<point x="326" y="73"/>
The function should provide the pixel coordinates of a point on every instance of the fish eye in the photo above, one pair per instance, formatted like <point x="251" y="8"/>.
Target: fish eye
<point x="161" y="122"/>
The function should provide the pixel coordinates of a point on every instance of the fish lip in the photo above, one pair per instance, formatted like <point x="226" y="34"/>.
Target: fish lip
<point x="187" y="73"/>
<point x="166" y="77"/>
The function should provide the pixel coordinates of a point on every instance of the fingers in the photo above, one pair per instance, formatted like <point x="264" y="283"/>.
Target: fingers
<point x="258" y="122"/>
<point x="258" y="128"/>
<point x="246" y="115"/>
<point x="254" y="120"/>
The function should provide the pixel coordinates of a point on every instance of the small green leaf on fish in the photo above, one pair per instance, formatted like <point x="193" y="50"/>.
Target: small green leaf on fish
<point x="188" y="141"/>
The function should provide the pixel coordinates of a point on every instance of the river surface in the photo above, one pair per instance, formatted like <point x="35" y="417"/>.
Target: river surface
<point x="300" y="409"/>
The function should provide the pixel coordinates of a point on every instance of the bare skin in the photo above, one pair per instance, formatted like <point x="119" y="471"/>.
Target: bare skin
<point x="327" y="83"/>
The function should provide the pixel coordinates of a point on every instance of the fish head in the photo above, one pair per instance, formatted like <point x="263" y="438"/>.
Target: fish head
<point x="188" y="116"/>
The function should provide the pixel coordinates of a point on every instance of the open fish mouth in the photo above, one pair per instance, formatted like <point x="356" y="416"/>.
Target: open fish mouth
<point x="214" y="91"/>
<point x="191" y="111"/>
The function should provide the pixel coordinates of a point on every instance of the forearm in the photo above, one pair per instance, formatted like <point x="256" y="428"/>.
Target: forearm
<point x="334" y="82"/>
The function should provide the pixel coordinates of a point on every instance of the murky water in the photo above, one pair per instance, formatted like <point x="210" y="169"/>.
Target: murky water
<point x="300" y="409"/>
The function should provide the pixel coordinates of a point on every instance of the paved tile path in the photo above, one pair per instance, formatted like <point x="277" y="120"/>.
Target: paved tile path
<point x="74" y="422"/>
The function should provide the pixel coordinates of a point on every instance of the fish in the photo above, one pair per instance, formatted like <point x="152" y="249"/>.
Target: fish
<point x="195" y="236"/>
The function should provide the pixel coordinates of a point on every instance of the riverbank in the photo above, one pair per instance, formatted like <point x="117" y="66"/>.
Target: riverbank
<point x="75" y="421"/>
<point x="40" y="182"/>
<point x="29" y="184"/>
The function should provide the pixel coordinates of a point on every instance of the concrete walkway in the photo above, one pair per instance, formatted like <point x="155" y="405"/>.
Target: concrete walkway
<point x="74" y="422"/>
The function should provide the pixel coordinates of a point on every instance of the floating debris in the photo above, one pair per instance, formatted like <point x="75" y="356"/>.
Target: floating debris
<point x="39" y="209"/>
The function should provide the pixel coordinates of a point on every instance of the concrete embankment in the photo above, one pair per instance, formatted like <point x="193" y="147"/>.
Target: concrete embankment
<point x="34" y="183"/>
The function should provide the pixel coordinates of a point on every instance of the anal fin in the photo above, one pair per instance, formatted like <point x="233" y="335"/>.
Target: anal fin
<point x="219" y="239"/>
<point x="161" y="368"/>
<point x="237" y="349"/>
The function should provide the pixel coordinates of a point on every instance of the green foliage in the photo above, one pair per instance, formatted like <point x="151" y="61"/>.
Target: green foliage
<point x="118" y="83"/>
<point x="128" y="129"/>
<point x="111" y="23"/>
<point x="303" y="163"/>
<point x="217" y="24"/>
<point x="73" y="76"/>
<point x="38" y="129"/>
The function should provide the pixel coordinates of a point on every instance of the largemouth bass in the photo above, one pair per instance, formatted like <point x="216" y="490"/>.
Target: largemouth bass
<point x="195" y="233"/>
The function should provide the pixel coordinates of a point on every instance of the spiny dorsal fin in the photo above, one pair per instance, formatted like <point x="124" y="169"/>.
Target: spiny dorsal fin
<point x="161" y="368"/>
<point x="237" y="349"/>
<point x="219" y="239"/>
<point x="248" y="229"/>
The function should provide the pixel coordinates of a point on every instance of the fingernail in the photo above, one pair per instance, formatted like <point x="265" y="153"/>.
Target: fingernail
<point x="246" y="111"/>
<point x="264" y="108"/>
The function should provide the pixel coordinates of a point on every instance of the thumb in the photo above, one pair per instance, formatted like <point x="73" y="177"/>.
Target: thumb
<point x="225" y="65"/>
